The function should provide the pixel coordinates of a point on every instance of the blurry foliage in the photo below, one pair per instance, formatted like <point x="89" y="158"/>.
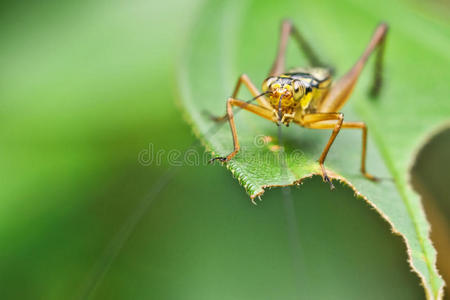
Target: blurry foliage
<point x="430" y="178"/>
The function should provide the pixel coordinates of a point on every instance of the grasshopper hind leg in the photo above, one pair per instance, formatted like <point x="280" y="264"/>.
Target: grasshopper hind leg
<point x="378" y="71"/>
<point x="289" y="30"/>
<point x="343" y="88"/>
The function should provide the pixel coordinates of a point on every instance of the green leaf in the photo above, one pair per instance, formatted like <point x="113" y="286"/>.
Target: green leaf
<point x="241" y="37"/>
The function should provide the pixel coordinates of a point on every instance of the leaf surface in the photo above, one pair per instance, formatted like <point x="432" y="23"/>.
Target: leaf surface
<point x="241" y="37"/>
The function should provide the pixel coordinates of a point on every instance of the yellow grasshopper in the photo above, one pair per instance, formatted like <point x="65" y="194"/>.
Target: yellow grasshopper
<point x="307" y="96"/>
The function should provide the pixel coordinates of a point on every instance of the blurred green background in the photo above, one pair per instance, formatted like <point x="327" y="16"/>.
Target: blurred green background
<point x="85" y="87"/>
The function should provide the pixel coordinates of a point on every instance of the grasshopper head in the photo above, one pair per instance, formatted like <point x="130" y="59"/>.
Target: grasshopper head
<point x="285" y="93"/>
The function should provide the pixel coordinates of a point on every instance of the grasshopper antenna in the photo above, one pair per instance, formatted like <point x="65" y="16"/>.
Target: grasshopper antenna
<point x="225" y="117"/>
<point x="260" y="95"/>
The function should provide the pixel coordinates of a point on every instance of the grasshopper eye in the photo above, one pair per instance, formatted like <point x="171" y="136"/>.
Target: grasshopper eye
<point x="299" y="89"/>
<point x="268" y="82"/>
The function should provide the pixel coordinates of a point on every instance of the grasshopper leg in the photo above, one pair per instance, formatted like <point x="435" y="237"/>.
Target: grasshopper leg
<point x="378" y="71"/>
<point x="324" y="121"/>
<point x="256" y="109"/>
<point x="343" y="88"/>
<point x="288" y="29"/>
<point x="243" y="79"/>
<point x="363" y="127"/>
<point x="336" y="122"/>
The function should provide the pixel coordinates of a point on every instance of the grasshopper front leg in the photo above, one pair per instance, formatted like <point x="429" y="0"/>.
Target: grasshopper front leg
<point x="256" y="109"/>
